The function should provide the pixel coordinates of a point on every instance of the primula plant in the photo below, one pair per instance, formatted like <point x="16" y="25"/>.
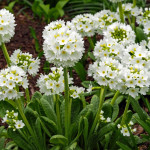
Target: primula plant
<point x="58" y="115"/>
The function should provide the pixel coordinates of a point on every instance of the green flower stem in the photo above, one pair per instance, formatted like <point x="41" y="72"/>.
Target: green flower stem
<point x="67" y="103"/>
<point x="125" y="111"/>
<point x="58" y="114"/>
<point x="18" y="102"/>
<point x="82" y="98"/>
<point x="96" y="88"/>
<point x="91" y="43"/>
<point x="102" y="97"/>
<point x="27" y="95"/>
<point x="134" y="3"/>
<point x="129" y="19"/>
<point x="133" y="17"/>
<point x="121" y="13"/>
<point x="115" y="97"/>
<point x="4" y="49"/>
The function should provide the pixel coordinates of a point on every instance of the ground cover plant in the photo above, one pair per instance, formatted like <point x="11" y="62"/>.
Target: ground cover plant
<point x="107" y="52"/>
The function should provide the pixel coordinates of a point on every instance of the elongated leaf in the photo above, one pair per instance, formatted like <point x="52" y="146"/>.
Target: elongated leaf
<point x="86" y="84"/>
<point x="109" y="127"/>
<point x="107" y="108"/>
<point x="48" y="109"/>
<point x="115" y="111"/>
<point x="140" y="35"/>
<point x="123" y="146"/>
<point x="143" y="124"/>
<point x="49" y="124"/>
<point x="90" y="54"/>
<point x="80" y="70"/>
<point x="59" y="140"/>
<point x="2" y="142"/>
<point x="19" y="140"/>
<point x="137" y="108"/>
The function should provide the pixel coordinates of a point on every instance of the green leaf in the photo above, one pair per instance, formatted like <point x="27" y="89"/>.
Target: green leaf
<point x="80" y="70"/>
<point x="36" y="95"/>
<point x="115" y="111"/>
<point x="90" y="54"/>
<point x="140" y="35"/>
<point x="123" y="146"/>
<point x="59" y="140"/>
<point x="95" y="103"/>
<point x="85" y="129"/>
<point x="10" y="6"/>
<point x="143" y="124"/>
<point x="86" y="84"/>
<point x="4" y="105"/>
<point x="107" y="128"/>
<point x="137" y="108"/>
<point x="19" y="140"/>
<point x="107" y="108"/>
<point x="49" y="124"/>
<point x="48" y="109"/>
<point x="2" y="142"/>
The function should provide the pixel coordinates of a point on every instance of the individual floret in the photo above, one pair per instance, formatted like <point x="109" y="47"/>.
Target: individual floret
<point x="7" y="26"/>
<point x="25" y="61"/>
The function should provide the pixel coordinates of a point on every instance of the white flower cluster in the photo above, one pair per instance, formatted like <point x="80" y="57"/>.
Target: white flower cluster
<point x="144" y="18"/>
<point x="7" y="26"/>
<point x="53" y="83"/>
<point x="115" y="1"/>
<point x="136" y="55"/>
<point x="76" y="91"/>
<point x="108" y="48"/>
<point x="120" y="33"/>
<point x="10" y="78"/>
<point x="105" y="18"/>
<point x="11" y="118"/>
<point x="124" y="130"/>
<point x="25" y="61"/>
<point x="103" y="119"/>
<point x="106" y="71"/>
<point x="129" y="9"/>
<point x="84" y="24"/>
<point x="62" y="46"/>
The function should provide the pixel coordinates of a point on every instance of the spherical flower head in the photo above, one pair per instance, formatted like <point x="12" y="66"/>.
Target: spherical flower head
<point x="63" y="47"/>
<point x="25" y="61"/>
<point x="53" y="83"/>
<point x="120" y="33"/>
<point x="103" y="19"/>
<point x="10" y="78"/>
<point x="115" y="1"/>
<point x="84" y="24"/>
<point x="7" y="26"/>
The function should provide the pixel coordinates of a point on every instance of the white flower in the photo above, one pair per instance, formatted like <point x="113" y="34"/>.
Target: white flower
<point x="76" y="91"/>
<point x="19" y="124"/>
<point x="120" y="33"/>
<point x="62" y="46"/>
<point x="125" y="131"/>
<point x="7" y="26"/>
